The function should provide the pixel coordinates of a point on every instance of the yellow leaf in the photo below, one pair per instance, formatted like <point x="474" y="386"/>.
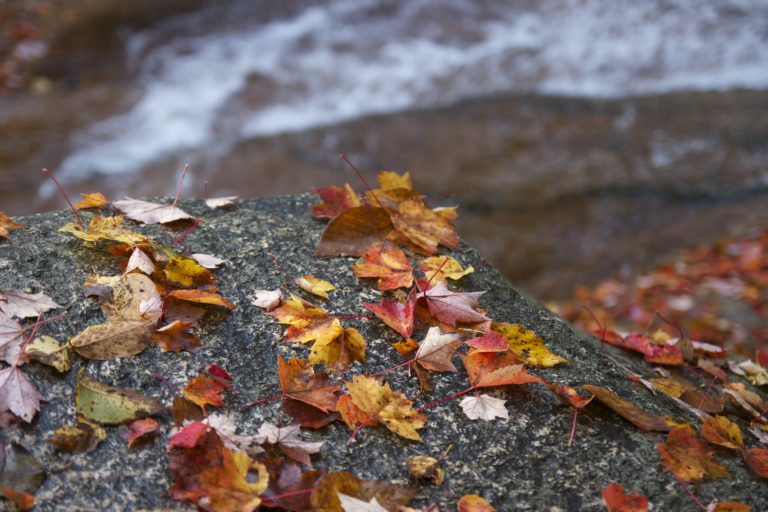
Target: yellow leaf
<point x="722" y="431"/>
<point x="104" y="228"/>
<point x="307" y="323"/>
<point x="438" y="268"/>
<point x="187" y="272"/>
<point x="526" y="344"/>
<point x="91" y="200"/>
<point x="390" y="179"/>
<point x="390" y="407"/>
<point x="315" y="285"/>
<point x="340" y="352"/>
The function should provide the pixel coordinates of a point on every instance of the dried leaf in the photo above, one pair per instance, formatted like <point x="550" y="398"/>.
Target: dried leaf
<point x="7" y="225"/>
<point x="201" y="297"/>
<point x="80" y="438"/>
<point x="426" y="467"/>
<point x="138" y="431"/>
<point x="440" y="268"/>
<point x="527" y="345"/>
<point x="672" y="387"/>
<point x="335" y="201"/>
<point x="91" y="200"/>
<point x="757" y="460"/>
<point x="207" y="261"/>
<point x="489" y="342"/>
<point x="628" y="410"/>
<point x="569" y="395"/>
<point x="437" y="349"/>
<point x="722" y="431"/>
<point x="104" y="228"/>
<point x="325" y="497"/>
<point x="350" y="504"/>
<point x="287" y="438"/>
<point x="339" y="353"/>
<point x="221" y="202"/>
<point x="452" y="307"/>
<point x="424" y="228"/>
<point x="406" y="347"/>
<point x="25" y="305"/>
<point x="206" y="389"/>
<point x="150" y="213"/>
<point x="395" y="314"/>
<point x="307" y="323"/>
<point x="474" y="503"/>
<point x="113" y="339"/>
<point x="187" y="272"/>
<point x="354" y="230"/>
<point x="688" y="457"/>
<point x="385" y="261"/>
<point x="267" y="299"/>
<point x="48" y="351"/>
<point x="616" y="501"/>
<point x="703" y="400"/>
<point x="176" y="337"/>
<point x="299" y="381"/>
<point x="139" y="260"/>
<point x="315" y="285"/>
<point x="484" y="407"/>
<point x="488" y="369"/>
<point x="728" y="506"/>
<point x="18" y="394"/>
<point x="21" y="475"/>
<point x="110" y="405"/>
<point x="390" y="407"/>
<point x="11" y="336"/>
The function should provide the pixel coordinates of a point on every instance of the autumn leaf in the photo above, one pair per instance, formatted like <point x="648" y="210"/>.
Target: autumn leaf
<point x="287" y="438"/>
<point x="728" y="506"/>
<point x="406" y="346"/>
<point x="689" y="458"/>
<point x="451" y="307"/>
<point x="11" y="336"/>
<point x="139" y="430"/>
<point x="474" y="503"/>
<point x="206" y="297"/>
<point x="350" y="504"/>
<point x="176" y="337"/>
<point x="299" y="381"/>
<point x="652" y="352"/>
<point x="25" y="305"/>
<point x="221" y="202"/>
<point x="335" y="201"/>
<point x="18" y="394"/>
<point x="722" y="431"/>
<point x="389" y="407"/>
<point x="20" y="475"/>
<point x="757" y="460"/>
<point x="488" y="369"/>
<point x="187" y="272"/>
<point x="110" y="405"/>
<point x="425" y="229"/>
<point x="80" y="438"/>
<point x="113" y="339"/>
<point x="568" y="395"/>
<point x="704" y="401"/>
<point x="140" y="261"/>
<point x="48" y="351"/>
<point x="206" y="389"/>
<point x="325" y="496"/>
<point x="354" y="230"/>
<point x="307" y="322"/>
<point x="7" y="225"/>
<point x="91" y="200"/>
<point x="616" y="501"/>
<point x="188" y="436"/>
<point x="630" y="411"/>
<point x="340" y="352"/>
<point x="440" y="268"/>
<point x="207" y="261"/>
<point x="526" y="344"/>
<point x="437" y="349"/>
<point x="385" y="261"/>
<point x="150" y="213"/>
<point x="267" y="299"/>
<point x="426" y="468"/>
<point x="672" y="387"/>
<point x="395" y="314"/>
<point x="104" y="228"/>
<point x="315" y="285"/>
<point x="484" y="407"/>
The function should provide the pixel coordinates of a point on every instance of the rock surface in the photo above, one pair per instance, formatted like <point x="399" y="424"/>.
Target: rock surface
<point x="522" y="463"/>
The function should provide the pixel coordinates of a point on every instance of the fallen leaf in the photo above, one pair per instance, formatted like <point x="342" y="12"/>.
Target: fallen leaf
<point x="392" y="180"/>
<point x="21" y="475"/>
<point x="267" y="299"/>
<point x="110" y="405"/>
<point x="48" y="351"/>
<point x="425" y="467"/>
<point x="489" y="369"/>
<point x="11" y="336"/>
<point x="150" y="213"/>
<point x="354" y="230"/>
<point x="389" y="407"/>
<point x="489" y="342"/>
<point x="451" y="307"/>
<point x="221" y="202"/>
<point x="753" y="372"/>
<point x="526" y="344"/>
<point x="299" y="381"/>
<point x="308" y="416"/>
<point x="628" y="410"/>
<point x="325" y="496"/>
<point x="616" y="501"/>
<point x="140" y="261"/>
<point x="207" y="261"/>
<point x="206" y="390"/>
<point x="704" y="401"/>
<point x="350" y="504"/>
<point x="7" y="225"/>
<point x="728" y="506"/>
<point x="176" y="337"/>
<point x="425" y="229"/>
<point x="385" y="261"/>
<point x="315" y="285"/>
<point x="335" y="201"/>
<point x="474" y="503"/>
<point x="113" y="339"/>
<point x="201" y="297"/>
<point x="440" y="268"/>
<point x="484" y="407"/>
<point x="757" y="460"/>
<point x="406" y="347"/>
<point x="307" y="322"/>
<point x="652" y="352"/>
<point x="185" y="410"/>
<point x="672" y="387"/>
<point x="25" y="305"/>
<point x="287" y="438"/>
<point x="339" y="353"/>
<point x="91" y="200"/>
<point x="18" y="394"/>
<point x="187" y="272"/>
<point x="568" y="395"/>
<point x="395" y="314"/>
<point x="188" y="436"/>
<point x="722" y="431"/>
<point x="80" y="438"/>
<point x="437" y="349"/>
<point x="689" y="458"/>
<point x="138" y="430"/>
<point x="104" y="228"/>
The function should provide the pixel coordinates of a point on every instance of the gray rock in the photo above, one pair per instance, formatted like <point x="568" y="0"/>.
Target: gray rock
<point x="522" y="463"/>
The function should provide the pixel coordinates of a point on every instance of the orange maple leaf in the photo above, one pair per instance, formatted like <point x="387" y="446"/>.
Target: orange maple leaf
<point x="385" y="261"/>
<point x="487" y="369"/>
<point x="307" y="322"/>
<point x="7" y="225"/>
<point x="616" y="501"/>
<point x="299" y="381"/>
<point x="689" y="458"/>
<point x="378" y="401"/>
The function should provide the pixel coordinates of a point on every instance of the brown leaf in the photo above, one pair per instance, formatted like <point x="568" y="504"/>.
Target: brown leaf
<point x="722" y="431"/>
<point x="704" y="401"/>
<point x="7" y="225"/>
<point x="354" y="230"/>
<point x="437" y="349"/>
<point x="474" y="503"/>
<point x="426" y="467"/>
<point x="80" y="438"/>
<point x="299" y="381"/>
<point x="113" y="339"/>
<point x="688" y="457"/>
<point x="628" y="410"/>
<point x="757" y="460"/>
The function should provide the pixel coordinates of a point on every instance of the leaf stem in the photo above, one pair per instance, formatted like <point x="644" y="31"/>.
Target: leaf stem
<point x="185" y="234"/>
<point x="181" y="184"/>
<point x="23" y="347"/>
<point x="66" y="198"/>
<point x="262" y="401"/>
<point x="362" y="178"/>
<point x="573" y="427"/>
<point x="447" y="398"/>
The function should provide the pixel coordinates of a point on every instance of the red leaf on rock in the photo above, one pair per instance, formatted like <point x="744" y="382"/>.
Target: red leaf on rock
<point x="137" y="430"/>
<point x="336" y="200"/>
<point x="489" y="342"/>
<point x="188" y="436"/>
<point x="395" y="314"/>
<point x="385" y="261"/>
<point x="652" y="352"/>
<point x="451" y="307"/>
<point x="616" y="501"/>
<point x="757" y="460"/>
<point x="488" y="369"/>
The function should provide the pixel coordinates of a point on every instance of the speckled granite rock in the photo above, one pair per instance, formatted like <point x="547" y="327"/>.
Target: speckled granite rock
<point x="522" y="463"/>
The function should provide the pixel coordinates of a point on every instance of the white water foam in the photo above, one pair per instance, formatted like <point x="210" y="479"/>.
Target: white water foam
<point x="340" y="61"/>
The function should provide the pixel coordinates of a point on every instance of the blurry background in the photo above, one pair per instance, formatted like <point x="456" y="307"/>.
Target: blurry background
<point x="580" y="138"/>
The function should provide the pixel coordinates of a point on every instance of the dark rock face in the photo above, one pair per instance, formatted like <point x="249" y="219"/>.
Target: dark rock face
<point x="522" y="463"/>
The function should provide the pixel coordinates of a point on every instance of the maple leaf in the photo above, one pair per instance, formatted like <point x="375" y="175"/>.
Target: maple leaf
<point x="138" y="430"/>
<point x="652" y="352"/>
<point x="201" y="297"/>
<point x="426" y="467"/>
<point x="11" y="336"/>
<point x="7" y="225"/>
<point x="630" y="411"/>
<point x="18" y="394"/>
<point x="287" y="438"/>
<point x="175" y="337"/>
<point x="616" y="501"/>
<point x="267" y="299"/>
<point x="113" y="339"/>
<point x="389" y="407"/>
<point x="395" y="314"/>
<point x="484" y="407"/>
<point x="568" y="395"/>
<point x="487" y="369"/>
<point x="451" y="307"/>
<point x="526" y="344"/>
<point x="335" y="201"/>
<point x="437" y="349"/>
<point x="80" y="438"/>
<point x="325" y="496"/>
<point x="187" y="272"/>
<point x="299" y="381"/>
<point x="104" y="228"/>
<point x="757" y="460"/>
<point x="206" y="389"/>
<point x="703" y="400"/>
<point x="221" y="202"/>
<point x="422" y="227"/>
<point x="354" y="230"/>
<point x="474" y="503"/>
<point x="188" y="436"/>
<point x="25" y="305"/>
<point x="139" y="260"/>
<point x="689" y="458"/>
<point x="722" y="431"/>
<point x="307" y="322"/>
<point x="150" y="213"/>
<point x="315" y="285"/>
<point x="440" y="268"/>
<point x="91" y="200"/>
<point x="207" y="261"/>
<point x="350" y="504"/>
<point x="489" y="342"/>
<point x="385" y="261"/>
<point x="340" y="352"/>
